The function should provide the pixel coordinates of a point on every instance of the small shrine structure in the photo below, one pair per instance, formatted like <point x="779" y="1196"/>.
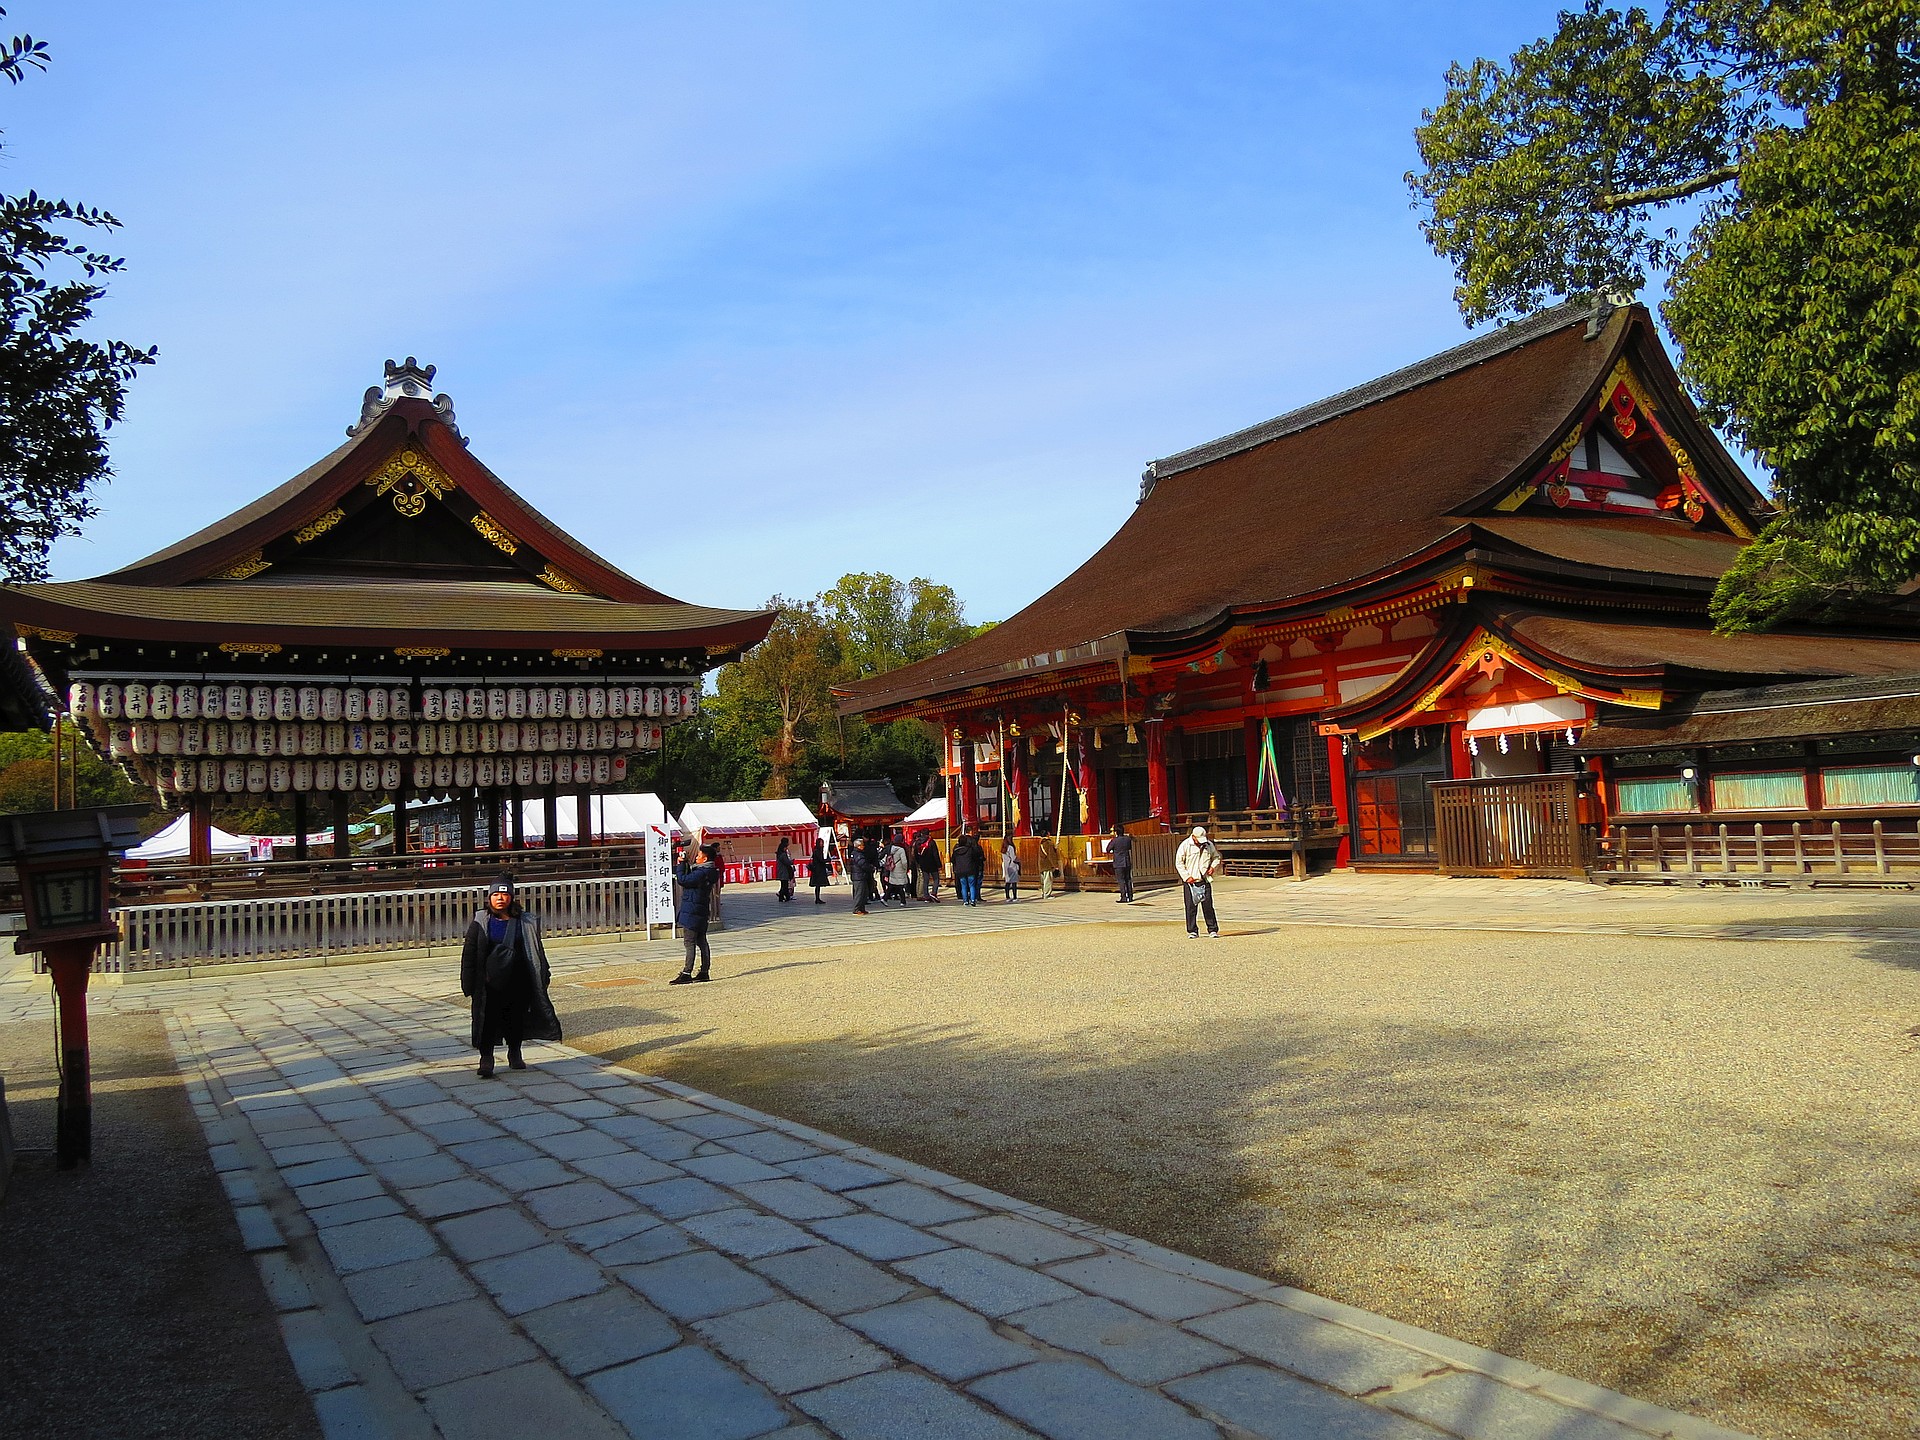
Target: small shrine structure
<point x="394" y="622"/>
<point x="1375" y="630"/>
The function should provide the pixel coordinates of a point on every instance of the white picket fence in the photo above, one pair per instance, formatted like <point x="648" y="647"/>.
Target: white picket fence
<point x="212" y="932"/>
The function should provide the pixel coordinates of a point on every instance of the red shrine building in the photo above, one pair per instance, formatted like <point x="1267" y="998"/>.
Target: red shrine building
<point x="393" y="622"/>
<point x="1448" y="574"/>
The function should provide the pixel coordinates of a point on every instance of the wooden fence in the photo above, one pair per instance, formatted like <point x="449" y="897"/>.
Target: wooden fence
<point x="212" y="932"/>
<point x="1084" y="864"/>
<point x="1527" y="825"/>
<point x="1858" y="851"/>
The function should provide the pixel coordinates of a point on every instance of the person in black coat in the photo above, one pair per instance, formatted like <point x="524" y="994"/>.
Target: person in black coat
<point x="967" y="862"/>
<point x="1120" y="847"/>
<point x="505" y="975"/>
<point x="860" y="871"/>
<point x="697" y="884"/>
<point x="926" y="859"/>
<point x="819" y="873"/>
<point x="783" y="870"/>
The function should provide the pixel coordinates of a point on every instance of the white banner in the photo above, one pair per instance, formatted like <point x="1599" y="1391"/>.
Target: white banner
<point x="659" y="877"/>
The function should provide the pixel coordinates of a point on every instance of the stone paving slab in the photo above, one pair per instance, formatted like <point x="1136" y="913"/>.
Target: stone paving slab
<point x="620" y="1255"/>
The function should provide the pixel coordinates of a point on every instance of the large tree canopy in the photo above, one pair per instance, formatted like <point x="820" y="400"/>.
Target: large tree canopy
<point x="59" y="389"/>
<point x="1794" y="298"/>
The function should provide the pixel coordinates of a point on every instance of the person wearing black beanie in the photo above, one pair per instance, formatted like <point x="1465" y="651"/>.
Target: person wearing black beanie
<point x="505" y="975"/>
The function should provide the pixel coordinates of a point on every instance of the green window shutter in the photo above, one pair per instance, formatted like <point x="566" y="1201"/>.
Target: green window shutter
<point x="1761" y="790"/>
<point x="1872" y="785"/>
<point x="1652" y="796"/>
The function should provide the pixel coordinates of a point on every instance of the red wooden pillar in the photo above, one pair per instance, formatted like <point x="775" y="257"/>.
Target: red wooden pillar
<point x="70" y="962"/>
<point x="1337" y="791"/>
<point x="969" y="789"/>
<point x="200" y="830"/>
<point x="1459" y="758"/>
<point x="1089" y="786"/>
<point x="1159" y="787"/>
<point x="1013" y="768"/>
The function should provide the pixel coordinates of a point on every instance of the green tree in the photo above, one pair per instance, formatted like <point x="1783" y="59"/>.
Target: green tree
<point x="776" y="703"/>
<point x="60" y="391"/>
<point x="26" y="773"/>
<point x="1794" y="298"/>
<point x="885" y="623"/>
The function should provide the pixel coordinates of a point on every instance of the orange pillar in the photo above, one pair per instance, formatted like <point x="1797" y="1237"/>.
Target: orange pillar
<point x="1337" y="792"/>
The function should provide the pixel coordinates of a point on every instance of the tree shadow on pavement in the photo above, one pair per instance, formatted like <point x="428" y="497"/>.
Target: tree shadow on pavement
<point x="1468" y="1180"/>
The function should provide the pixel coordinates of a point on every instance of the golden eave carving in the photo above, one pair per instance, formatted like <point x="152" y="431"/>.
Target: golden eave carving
<point x="312" y="531"/>
<point x="247" y="566"/>
<point x="249" y="647"/>
<point x="566" y="584"/>
<point x="411" y="463"/>
<point x="495" y="533"/>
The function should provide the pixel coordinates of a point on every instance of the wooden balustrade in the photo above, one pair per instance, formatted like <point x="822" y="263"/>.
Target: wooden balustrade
<point x="1524" y="825"/>
<point x="1854" y="850"/>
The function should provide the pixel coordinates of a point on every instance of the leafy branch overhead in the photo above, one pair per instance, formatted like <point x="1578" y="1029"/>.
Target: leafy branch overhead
<point x="60" y="391"/>
<point x="1794" y="291"/>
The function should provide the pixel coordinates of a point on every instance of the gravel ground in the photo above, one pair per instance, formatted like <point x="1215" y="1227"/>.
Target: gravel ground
<point x="127" y="1306"/>
<point x="1684" y="1169"/>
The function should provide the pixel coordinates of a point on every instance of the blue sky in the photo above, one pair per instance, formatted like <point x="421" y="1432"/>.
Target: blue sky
<point x="748" y="295"/>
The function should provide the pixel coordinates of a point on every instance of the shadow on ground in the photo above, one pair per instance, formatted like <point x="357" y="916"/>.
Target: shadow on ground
<point x="1453" y="1178"/>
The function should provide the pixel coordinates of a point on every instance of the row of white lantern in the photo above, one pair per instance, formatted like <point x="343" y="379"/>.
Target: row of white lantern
<point x="314" y="738"/>
<point x="140" y="700"/>
<point x="445" y="772"/>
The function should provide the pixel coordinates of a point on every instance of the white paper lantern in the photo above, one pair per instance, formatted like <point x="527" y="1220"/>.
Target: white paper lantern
<point x="496" y="704"/>
<point x="550" y="735"/>
<point x="378" y="738"/>
<point x="186" y="702"/>
<point x="508" y="736"/>
<point x="569" y="735"/>
<point x="609" y="735"/>
<point x="577" y="702"/>
<point x="556" y="702"/>
<point x="167" y="738"/>
<point x="369" y="774"/>
<point x="401" y="737"/>
<point x="240" y="737"/>
<point x="672" y="698"/>
<point x="353" y="704"/>
<point x="280" y="776"/>
<point x="334" y="738"/>
<point x="332" y="704"/>
<point x="525" y="770"/>
<point x="233" y="702"/>
<point x="260" y="703"/>
<point x="530" y="735"/>
<point x="489" y="738"/>
<point x="476" y="703"/>
<point x="596" y="703"/>
<point x="443" y="771"/>
<point x="160" y="702"/>
<point x="286" y="703"/>
<point x="209" y="777"/>
<point x="256" y="777"/>
<point x="602" y="769"/>
<point x="446" y="738"/>
<point x="357" y="739"/>
<point x="543" y="770"/>
<point x="563" y="769"/>
<point x="616" y="702"/>
<point x="306" y="703"/>
<point x="376" y="704"/>
<point x="107" y="701"/>
<point x="289" y="737"/>
<point x="469" y="740"/>
<point x="453" y="705"/>
<point x="233" y="776"/>
<point x="463" y="772"/>
<point x="193" y="737"/>
<point x="517" y="703"/>
<point x="265" y="738"/>
<point x="312" y="737"/>
<point x="399" y="703"/>
<point x="619" y="768"/>
<point x="423" y="774"/>
<point x="483" y="772"/>
<point x="303" y="773"/>
<point x="219" y="742"/>
<point x="144" y="740"/>
<point x="346" y="775"/>
<point x="323" y="775"/>
<point x="623" y="734"/>
<point x="213" y="703"/>
<point x="185" y="776"/>
<point x="80" y="698"/>
<point x="537" y="703"/>
<point x="389" y="774"/>
<point x="656" y="703"/>
<point x="133" y="700"/>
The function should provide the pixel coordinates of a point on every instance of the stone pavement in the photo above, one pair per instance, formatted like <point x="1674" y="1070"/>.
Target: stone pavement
<point x="579" y="1250"/>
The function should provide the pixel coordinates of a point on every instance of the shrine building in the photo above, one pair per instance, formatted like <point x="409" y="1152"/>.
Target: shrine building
<point x="1314" y="631"/>
<point x="394" y="622"/>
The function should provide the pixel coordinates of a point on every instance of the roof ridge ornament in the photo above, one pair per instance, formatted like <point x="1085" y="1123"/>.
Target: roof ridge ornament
<point x="407" y="381"/>
<point x="1604" y="304"/>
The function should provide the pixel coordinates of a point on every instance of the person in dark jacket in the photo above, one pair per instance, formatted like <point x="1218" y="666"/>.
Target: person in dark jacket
<point x="966" y="862"/>
<point x="1120" y="847"/>
<point x="783" y="870"/>
<point x="504" y="974"/>
<point x="926" y="859"/>
<point x="819" y="873"/>
<point x="860" y="872"/>
<point x="697" y="884"/>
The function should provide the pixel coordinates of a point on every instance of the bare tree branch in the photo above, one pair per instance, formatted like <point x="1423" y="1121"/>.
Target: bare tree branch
<point x="1658" y="194"/>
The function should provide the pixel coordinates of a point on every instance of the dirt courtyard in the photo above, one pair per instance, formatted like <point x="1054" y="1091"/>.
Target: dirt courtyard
<point x="1686" y="1169"/>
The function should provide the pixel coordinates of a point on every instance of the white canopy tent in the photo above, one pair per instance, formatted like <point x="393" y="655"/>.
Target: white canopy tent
<point x="614" y="817"/>
<point x="747" y="817"/>
<point x="929" y="815"/>
<point x="175" y="843"/>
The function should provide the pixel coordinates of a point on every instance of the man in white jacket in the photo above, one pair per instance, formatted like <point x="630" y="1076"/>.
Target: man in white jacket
<point x="1195" y="862"/>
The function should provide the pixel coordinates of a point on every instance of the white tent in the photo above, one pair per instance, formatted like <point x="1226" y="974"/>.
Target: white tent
<point x="617" y="817"/>
<point x="746" y="817"/>
<point x="175" y="843"/>
<point x="934" y="812"/>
